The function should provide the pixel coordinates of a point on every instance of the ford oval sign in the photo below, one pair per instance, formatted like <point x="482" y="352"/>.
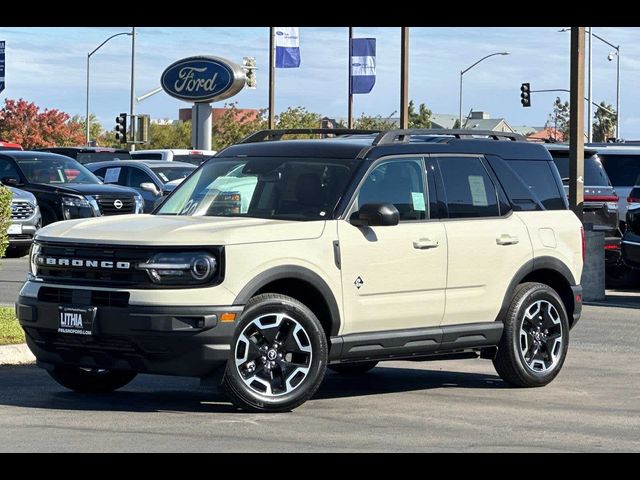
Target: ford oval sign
<point x="202" y="79"/>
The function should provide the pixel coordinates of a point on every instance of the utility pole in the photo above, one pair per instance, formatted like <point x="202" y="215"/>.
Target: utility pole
<point x="590" y="86"/>
<point x="576" y="128"/>
<point x="132" y="105"/>
<point x="272" y="77"/>
<point x="350" y="118"/>
<point x="404" y="78"/>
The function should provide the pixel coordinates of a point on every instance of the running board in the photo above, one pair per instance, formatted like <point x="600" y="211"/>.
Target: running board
<point x="414" y="342"/>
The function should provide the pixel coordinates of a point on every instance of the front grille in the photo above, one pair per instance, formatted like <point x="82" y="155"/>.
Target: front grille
<point x="102" y="276"/>
<point x="21" y="210"/>
<point x="97" y="298"/>
<point x="107" y="204"/>
<point x="90" y="343"/>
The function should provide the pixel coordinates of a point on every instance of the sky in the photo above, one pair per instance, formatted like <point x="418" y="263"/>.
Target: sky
<point x="48" y="66"/>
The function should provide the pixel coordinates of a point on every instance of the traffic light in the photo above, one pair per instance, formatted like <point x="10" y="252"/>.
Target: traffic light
<point x="525" y="95"/>
<point x="121" y="128"/>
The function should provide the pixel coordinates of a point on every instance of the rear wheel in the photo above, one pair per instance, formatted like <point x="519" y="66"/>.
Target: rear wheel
<point x="535" y="338"/>
<point x="353" y="368"/>
<point x="91" y="380"/>
<point x="278" y="355"/>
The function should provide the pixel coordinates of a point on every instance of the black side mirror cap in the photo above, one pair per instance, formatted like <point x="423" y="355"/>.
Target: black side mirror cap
<point x="9" y="181"/>
<point x="376" y="215"/>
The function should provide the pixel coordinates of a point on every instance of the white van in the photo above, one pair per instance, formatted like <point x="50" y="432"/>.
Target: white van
<point x="194" y="157"/>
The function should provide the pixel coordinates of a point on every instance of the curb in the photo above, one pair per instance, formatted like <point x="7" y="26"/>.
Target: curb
<point x="16" y="355"/>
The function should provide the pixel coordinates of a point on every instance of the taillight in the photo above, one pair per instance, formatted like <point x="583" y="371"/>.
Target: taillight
<point x="601" y="198"/>
<point x="633" y="200"/>
<point x="583" y="241"/>
<point x="612" y="247"/>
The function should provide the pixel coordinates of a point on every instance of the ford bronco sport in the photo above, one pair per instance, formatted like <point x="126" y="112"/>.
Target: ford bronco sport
<point x="278" y="259"/>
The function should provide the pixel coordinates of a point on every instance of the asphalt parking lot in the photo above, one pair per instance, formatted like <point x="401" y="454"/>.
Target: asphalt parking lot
<point x="462" y="405"/>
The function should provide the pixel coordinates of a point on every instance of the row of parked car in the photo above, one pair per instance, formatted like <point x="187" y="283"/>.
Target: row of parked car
<point x="53" y="184"/>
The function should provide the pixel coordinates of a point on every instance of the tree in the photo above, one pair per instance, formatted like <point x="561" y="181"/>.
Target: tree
<point x="366" y="122"/>
<point x="422" y="119"/>
<point x="234" y="125"/>
<point x="23" y="122"/>
<point x="559" y="118"/>
<point x="605" y="121"/>
<point x="172" y="135"/>
<point x="95" y="129"/>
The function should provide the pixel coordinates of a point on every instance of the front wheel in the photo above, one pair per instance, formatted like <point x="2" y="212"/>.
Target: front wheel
<point x="91" y="380"/>
<point x="535" y="338"/>
<point x="278" y="355"/>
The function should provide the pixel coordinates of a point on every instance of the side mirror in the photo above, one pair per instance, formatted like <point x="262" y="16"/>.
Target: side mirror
<point x="150" y="187"/>
<point x="375" y="215"/>
<point x="9" y="181"/>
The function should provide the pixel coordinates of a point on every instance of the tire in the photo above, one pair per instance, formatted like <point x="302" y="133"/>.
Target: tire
<point x="527" y="356"/>
<point x="17" y="251"/>
<point x="353" y="368"/>
<point x="278" y="355"/>
<point x="87" y="381"/>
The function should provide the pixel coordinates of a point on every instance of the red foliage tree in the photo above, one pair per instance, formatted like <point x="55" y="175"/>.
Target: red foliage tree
<point x="22" y="122"/>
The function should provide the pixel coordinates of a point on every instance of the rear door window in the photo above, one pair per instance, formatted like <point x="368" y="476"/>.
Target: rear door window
<point x="468" y="188"/>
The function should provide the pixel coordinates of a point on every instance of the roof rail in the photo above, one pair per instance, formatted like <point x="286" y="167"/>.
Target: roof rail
<point x="403" y="135"/>
<point x="269" y="135"/>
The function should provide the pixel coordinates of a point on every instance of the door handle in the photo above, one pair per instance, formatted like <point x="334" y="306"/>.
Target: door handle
<point x="425" y="243"/>
<point x="506" y="239"/>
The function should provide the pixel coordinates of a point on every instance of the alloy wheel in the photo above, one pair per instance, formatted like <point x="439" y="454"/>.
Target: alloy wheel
<point x="541" y="336"/>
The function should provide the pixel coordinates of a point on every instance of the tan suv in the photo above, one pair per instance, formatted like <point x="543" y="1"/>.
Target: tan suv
<point x="279" y="258"/>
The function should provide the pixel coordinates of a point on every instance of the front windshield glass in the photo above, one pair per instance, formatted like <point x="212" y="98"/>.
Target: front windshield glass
<point x="277" y="188"/>
<point x="173" y="173"/>
<point x="55" y="170"/>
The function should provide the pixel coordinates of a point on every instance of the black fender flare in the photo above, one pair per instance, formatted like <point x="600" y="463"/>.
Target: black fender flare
<point x="539" y="263"/>
<point x="298" y="273"/>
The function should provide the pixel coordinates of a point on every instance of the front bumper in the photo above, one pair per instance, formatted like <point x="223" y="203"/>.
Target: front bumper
<point x="24" y="238"/>
<point x="184" y="341"/>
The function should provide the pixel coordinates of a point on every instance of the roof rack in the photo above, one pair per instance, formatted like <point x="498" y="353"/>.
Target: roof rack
<point x="403" y="135"/>
<point x="269" y="135"/>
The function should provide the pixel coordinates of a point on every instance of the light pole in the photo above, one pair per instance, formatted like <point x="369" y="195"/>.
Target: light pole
<point x="466" y="70"/>
<point x="610" y="58"/>
<point x="86" y="119"/>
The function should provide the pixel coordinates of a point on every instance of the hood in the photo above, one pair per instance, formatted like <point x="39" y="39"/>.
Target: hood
<point x="22" y="195"/>
<point x="84" y="189"/>
<point x="178" y="230"/>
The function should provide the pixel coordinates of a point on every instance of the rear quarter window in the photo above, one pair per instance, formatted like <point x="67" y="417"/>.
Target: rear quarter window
<point x="623" y="170"/>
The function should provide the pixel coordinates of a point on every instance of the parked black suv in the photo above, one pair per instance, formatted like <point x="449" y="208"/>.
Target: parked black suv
<point x="90" y="154"/>
<point x="600" y="198"/>
<point x="64" y="188"/>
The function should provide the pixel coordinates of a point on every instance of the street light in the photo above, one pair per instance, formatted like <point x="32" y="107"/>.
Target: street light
<point x="466" y="70"/>
<point x="610" y="58"/>
<point x="88" y="64"/>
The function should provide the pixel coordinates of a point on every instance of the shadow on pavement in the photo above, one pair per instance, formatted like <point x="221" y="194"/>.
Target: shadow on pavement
<point x="29" y="387"/>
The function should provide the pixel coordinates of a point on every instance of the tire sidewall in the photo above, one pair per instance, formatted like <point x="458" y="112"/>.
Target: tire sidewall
<point x="541" y="292"/>
<point x="318" y="366"/>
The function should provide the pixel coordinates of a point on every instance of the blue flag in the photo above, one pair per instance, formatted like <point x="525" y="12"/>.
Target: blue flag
<point x="363" y="64"/>
<point x="287" y="47"/>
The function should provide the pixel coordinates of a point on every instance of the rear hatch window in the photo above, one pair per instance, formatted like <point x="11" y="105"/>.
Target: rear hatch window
<point x="594" y="173"/>
<point x="622" y="169"/>
<point x="92" y="157"/>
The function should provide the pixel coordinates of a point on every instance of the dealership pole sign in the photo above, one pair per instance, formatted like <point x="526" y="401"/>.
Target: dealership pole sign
<point x="2" y="67"/>
<point x="203" y="79"/>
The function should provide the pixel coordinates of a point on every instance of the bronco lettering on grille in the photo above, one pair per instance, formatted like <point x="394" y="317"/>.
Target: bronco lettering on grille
<point x="82" y="263"/>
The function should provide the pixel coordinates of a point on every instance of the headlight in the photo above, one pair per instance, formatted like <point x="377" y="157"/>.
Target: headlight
<point x="78" y="207"/>
<point x="75" y="202"/>
<point x="33" y="266"/>
<point x="139" y="204"/>
<point x="191" y="268"/>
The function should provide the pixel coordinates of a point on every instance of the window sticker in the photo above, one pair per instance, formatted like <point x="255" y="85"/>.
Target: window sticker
<point x="112" y="175"/>
<point x="478" y="192"/>
<point x="418" y="201"/>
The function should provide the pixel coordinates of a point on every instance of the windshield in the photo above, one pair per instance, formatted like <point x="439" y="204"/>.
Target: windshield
<point x="55" y="170"/>
<point x="168" y="174"/>
<point x="594" y="174"/>
<point x="622" y="169"/>
<point x="277" y="188"/>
